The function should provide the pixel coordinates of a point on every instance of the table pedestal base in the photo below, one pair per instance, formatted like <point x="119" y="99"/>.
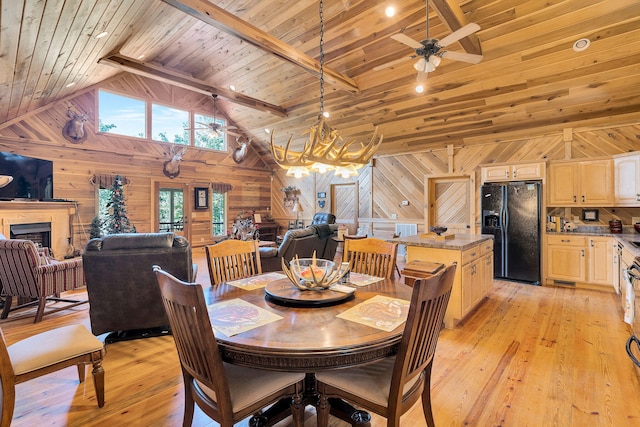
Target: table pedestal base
<point x="339" y="408"/>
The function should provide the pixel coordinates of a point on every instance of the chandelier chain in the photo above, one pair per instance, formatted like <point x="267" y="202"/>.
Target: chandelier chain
<point x="321" y="56"/>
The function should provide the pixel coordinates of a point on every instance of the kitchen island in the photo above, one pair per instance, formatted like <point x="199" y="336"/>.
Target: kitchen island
<point x="474" y="276"/>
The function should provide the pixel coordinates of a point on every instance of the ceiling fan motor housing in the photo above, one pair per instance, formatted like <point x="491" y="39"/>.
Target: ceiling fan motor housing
<point x="429" y="47"/>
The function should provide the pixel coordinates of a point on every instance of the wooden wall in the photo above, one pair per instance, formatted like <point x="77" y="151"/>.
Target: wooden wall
<point x="38" y="134"/>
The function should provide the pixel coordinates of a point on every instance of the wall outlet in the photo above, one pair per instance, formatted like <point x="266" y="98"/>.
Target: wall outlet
<point x="394" y="216"/>
<point x="405" y="203"/>
<point x="635" y="219"/>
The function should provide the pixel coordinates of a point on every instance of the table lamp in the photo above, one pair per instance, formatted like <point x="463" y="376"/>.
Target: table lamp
<point x="297" y="208"/>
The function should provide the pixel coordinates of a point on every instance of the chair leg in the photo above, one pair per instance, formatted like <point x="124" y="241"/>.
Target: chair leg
<point x="98" y="381"/>
<point x="189" y="404"/>
<point x="322" y="411"/>
<point x="297" y="410"/>
<point x="426" y="397"/>
<point x="40" y="312"/>
<point x="82" y="368"/>
<point x="7" y="306"/>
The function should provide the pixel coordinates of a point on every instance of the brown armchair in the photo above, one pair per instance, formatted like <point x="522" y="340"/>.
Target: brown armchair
<point x="34" y="278"/>
<point x="124" y="298"/>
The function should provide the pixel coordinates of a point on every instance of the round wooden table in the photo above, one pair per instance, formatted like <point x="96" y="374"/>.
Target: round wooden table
<point x="309" y="339"/>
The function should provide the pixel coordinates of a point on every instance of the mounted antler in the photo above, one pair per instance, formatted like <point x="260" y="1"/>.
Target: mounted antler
<point x="325" y="146"/>
<point x="73" y="130"/>
<point x="171" y="167"/>
<point x="241" y="152"/>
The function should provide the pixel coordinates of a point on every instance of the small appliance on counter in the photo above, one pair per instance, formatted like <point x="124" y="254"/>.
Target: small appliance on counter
<point x="615" y="226"/>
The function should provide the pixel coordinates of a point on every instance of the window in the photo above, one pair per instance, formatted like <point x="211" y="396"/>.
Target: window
<point x="169" y="124"/>
<point x="203" y="136"/>
<point x="121" y="115"/>
<point x="171" y="209"/>
<point x="104" y="195"/>
<point x="219" y="213"/>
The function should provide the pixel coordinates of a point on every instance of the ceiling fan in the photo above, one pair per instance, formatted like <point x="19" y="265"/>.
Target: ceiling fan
<point x="215" y="128"/>
<point x="430" y="51"/>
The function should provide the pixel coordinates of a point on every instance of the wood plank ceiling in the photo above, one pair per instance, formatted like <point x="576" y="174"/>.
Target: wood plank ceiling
<point x="530" y="80"/>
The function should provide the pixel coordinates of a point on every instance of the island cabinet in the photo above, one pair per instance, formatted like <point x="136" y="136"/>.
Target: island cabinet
<point x="580" y="260"/>
<point x="513" y="172"/>
<point x="627" y="179"/>
<point x="584" y="183"/>
<point x="474" y="274"/>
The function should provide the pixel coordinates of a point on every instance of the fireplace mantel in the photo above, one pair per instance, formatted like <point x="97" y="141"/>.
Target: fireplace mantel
<point x="59" y="214"/>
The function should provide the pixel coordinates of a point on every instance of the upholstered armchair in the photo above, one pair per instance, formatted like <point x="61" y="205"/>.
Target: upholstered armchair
<point x="323" y="218"/>
<point x="33" y="277"/>
<point x="124" y="298"/>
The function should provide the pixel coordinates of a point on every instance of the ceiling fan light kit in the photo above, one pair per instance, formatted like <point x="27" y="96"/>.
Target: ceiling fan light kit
<point x="325" y="149"/>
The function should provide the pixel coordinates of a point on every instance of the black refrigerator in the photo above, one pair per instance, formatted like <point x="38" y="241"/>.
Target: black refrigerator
<point x="511" y="213"/>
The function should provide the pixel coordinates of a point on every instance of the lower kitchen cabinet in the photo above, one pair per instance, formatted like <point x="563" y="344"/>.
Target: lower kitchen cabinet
<point x="583" y="260"/>
<point x="473" y="279"/>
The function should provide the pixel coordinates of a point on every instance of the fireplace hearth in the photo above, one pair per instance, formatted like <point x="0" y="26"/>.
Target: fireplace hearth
<point x="37" y="232"/>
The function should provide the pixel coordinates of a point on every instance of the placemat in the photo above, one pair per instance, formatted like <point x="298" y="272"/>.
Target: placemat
<point x="358" y="279"/>
<point x="255" y="282"/>
<point x="379" y="312"/>
<point x="236" y="316"/>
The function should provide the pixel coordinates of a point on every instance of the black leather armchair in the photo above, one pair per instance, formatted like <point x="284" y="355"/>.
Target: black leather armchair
<point x="323" y="218"/>
<point x="123" y="292"/>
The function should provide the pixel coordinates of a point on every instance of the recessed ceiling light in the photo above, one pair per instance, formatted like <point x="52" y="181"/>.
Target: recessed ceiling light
<point x="141" y="56"/>
<point x="101" y="35"/>
<point x="390" y="11"/>
<point x="267" y="131"/>
<point x="326" y="114"/>
<point x="581" y="45"/>
<point x="232" y="87"/>
<point x="71" y="84"/>
<point x="419" y="88"/>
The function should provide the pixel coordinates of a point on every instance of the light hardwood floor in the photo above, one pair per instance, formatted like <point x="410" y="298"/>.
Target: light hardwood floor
<point x="529" y="356"/>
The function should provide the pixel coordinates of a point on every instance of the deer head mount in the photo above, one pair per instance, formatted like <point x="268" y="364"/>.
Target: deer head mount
<point x="171" y="167"/>
<point x="243" y="146"/>
<point x="73" y="130"/>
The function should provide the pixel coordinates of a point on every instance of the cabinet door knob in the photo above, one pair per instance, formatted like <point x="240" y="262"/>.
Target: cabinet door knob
<point x="582" y="252"/>
<point x="574" y="199"/>
<point x="506" y="174"/>
<point x="583" y="198"/>
<point x="515" y="173"/>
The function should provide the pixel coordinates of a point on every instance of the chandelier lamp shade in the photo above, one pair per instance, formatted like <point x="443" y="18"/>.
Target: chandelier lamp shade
<point x="5" y="180"/>
<point x="324" y="150"/>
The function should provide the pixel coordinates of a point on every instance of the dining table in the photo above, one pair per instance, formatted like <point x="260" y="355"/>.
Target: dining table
<point x="308" y="331"/>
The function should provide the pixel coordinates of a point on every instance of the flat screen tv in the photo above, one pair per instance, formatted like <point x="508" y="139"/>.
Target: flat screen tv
<point x="32" y="178"/>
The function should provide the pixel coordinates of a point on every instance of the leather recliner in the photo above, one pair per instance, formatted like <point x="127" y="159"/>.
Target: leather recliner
<point x="123" y="292"/>
<point x="323" y="218"/>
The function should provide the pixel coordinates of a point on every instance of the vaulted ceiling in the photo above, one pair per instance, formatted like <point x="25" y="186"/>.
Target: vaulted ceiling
<point x="530" y="80"/>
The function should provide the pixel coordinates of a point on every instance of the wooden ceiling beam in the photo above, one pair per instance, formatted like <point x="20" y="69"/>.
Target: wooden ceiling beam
<point x="231" y="24"/>
<point x="155" y="72"/>
<point x="453" y="17"/>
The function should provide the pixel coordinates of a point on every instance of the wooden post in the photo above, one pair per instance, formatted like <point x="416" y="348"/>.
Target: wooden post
<point x="567" y="137"/>
<point x="450" y="157"/>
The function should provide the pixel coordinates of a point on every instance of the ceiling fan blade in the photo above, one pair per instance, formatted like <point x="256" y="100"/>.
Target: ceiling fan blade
<point x="392" y="63"/>
<point x="407" y="40"/>
<point x="462" y="56"/>
<point x="458" y="34"/>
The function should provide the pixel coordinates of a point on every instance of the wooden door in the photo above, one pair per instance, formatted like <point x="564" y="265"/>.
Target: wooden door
<point x="172" y="208"/>
<point x="344" y="205"/>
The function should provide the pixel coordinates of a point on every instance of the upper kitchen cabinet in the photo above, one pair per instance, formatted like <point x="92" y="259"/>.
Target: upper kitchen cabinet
<point x="627" y="173"/>
<point x="513" y="172"/>
<point x="581" y="183"/>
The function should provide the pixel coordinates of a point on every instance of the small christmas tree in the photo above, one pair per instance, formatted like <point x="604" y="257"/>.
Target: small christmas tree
<point x="95" y="230"/>
<point x="117" y="220"/>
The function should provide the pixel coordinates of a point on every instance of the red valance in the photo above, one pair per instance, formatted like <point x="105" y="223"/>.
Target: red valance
<point x="106" y="180"/>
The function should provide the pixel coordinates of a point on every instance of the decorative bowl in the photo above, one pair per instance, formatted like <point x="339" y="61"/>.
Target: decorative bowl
<point x="312" y="274"/>
<point x="438" y="229"/>
<point x="637" y="226"/>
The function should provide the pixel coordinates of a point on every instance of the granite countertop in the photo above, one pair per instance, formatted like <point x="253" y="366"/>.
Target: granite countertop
<point x="459" y="242"/>
<point x="625" y="238"/>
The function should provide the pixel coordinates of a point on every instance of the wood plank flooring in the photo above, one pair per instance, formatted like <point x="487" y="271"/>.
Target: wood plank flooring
<point x="529" y="356"/>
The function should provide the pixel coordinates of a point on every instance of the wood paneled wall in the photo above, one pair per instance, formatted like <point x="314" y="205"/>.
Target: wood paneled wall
<point x="38" y="134"/>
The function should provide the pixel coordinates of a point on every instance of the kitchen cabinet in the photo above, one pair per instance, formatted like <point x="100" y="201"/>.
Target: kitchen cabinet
<point x="473" y="278"/>
<point x="587" y="260"/>
<point x="513" y="172"/>
<point x="627" y="179"/>
<point x="583" y="183"/>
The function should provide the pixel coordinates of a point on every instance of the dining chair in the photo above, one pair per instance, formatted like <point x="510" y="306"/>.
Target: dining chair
<point x="48" y="352"/>
<point x="227" y="393"/>
<point x="391" y="386"/>
<point x="233" y="259"/>
<point x="35" y="278"/>
<point x="370" y="256"/>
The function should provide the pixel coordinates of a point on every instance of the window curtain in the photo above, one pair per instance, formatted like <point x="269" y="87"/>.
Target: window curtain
<point x="106" y="180"/>
<point x="221" y="187"/>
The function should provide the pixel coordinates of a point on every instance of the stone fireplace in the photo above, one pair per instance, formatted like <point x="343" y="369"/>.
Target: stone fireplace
<point x="39" y="221"/>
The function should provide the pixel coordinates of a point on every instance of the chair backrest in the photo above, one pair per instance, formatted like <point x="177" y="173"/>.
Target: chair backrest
<point x="371" y="256"/>
<point x="18" y="261"/>
<point x="233" y="259"/>
<point x="195" y="341"/>
<point x="8" y="384"/>
<point x="323" y="218"/>
<point x="429" y="302"/>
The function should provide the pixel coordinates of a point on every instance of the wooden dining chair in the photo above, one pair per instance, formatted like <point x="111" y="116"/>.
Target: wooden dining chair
<point x="48" y="352"/>
<point x="391" y="386"/>
<point x="370" y="256"/>
<point x="233" y="259"/>
<point x="226" y="393"/>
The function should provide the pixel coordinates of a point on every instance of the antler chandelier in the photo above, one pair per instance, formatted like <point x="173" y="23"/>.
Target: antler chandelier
<point x="325" y="149"/>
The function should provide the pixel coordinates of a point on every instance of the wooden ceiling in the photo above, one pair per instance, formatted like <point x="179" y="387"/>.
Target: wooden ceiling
<point x="529" y="82"/>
